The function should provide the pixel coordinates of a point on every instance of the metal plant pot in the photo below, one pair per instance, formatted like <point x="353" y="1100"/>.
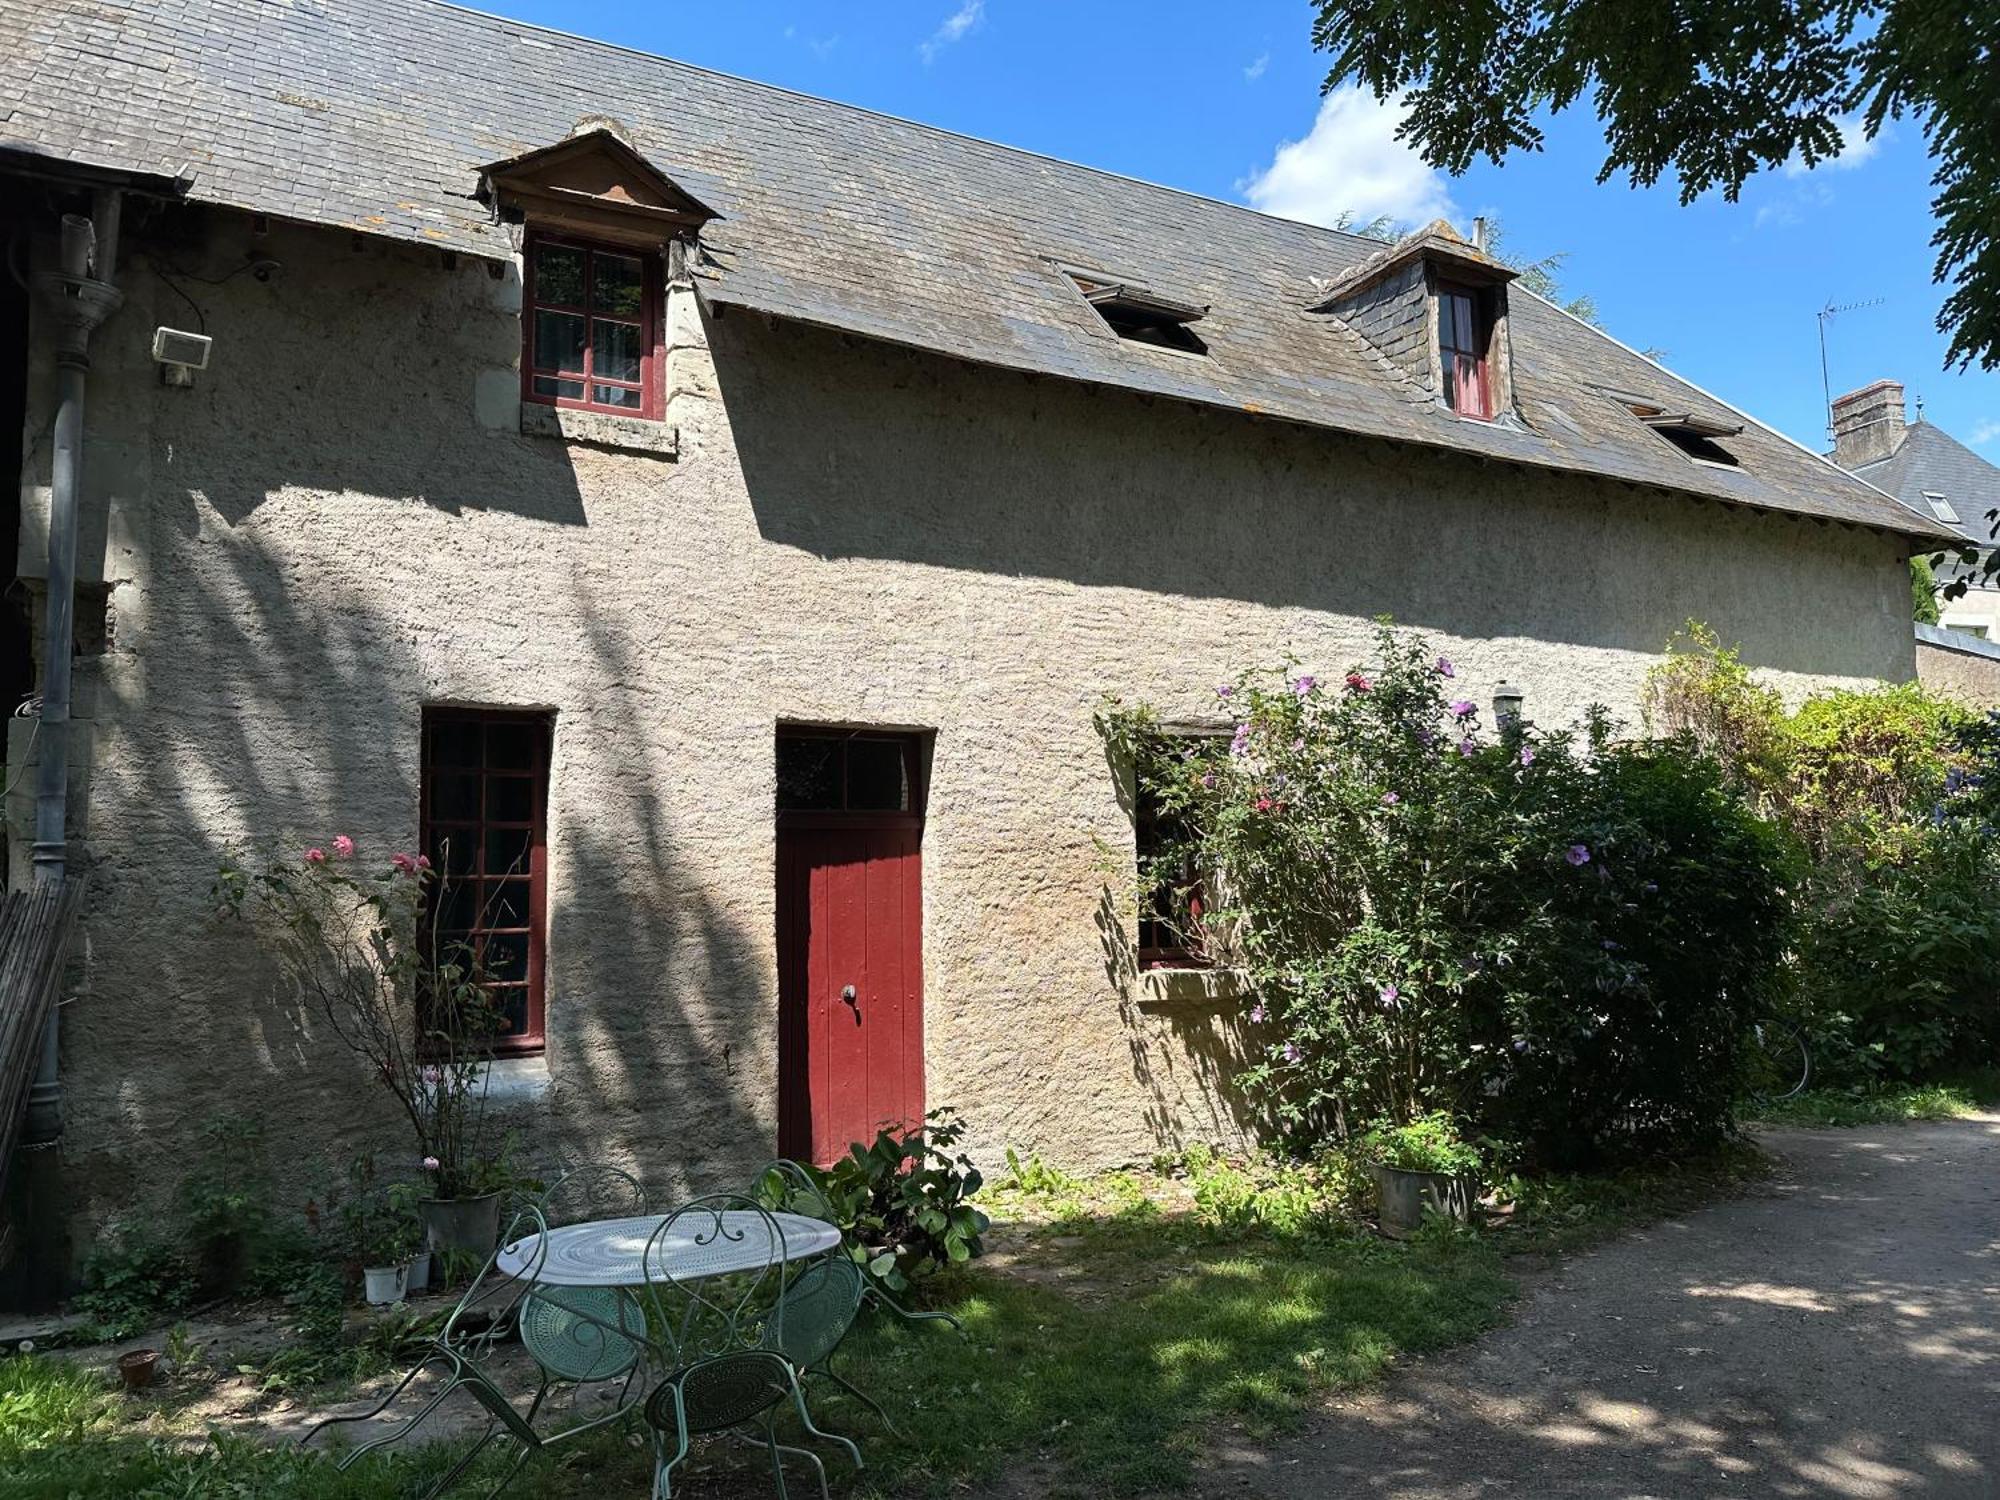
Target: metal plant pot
<point x="1402" y="1196"/>
<point x="136" y="1367"/>
<point x="466" y="1226"/>
<point x="383" y="1285"/>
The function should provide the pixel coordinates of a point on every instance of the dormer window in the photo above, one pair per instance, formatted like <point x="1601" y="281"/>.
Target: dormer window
<point x="591" y="328"/>
<point x="1435" y="308"/>
<point x="1142" y="316"/>
<point x="1941" y="508"/>
<point x="1691" y="432"/>
<point x="1464" y="338"/>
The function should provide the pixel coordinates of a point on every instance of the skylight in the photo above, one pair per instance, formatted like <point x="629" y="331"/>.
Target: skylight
<point x="1141" y="316"/>
<point x="1692" y="433"/>
<point x="1941" y="508"/>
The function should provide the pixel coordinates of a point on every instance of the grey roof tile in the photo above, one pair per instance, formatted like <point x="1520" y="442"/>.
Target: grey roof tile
<point x="832" y="215"/>
<point x="1929" y="459"/>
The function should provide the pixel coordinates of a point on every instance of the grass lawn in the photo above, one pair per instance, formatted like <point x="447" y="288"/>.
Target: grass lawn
<point x="1886" y="1104"/>
<point x="1106" y="1345"/>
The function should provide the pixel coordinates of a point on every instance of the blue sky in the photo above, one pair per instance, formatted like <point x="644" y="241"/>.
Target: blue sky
<point x="1207" y="97"/>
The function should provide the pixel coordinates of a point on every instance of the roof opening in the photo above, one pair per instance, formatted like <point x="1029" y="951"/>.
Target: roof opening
<point x="1692" y="433"/>
<point x="1941" y="508"/>
<point x="1142" y="316"/>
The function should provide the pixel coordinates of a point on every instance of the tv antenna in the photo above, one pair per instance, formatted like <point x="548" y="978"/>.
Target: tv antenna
<point x="1825" y="384"/>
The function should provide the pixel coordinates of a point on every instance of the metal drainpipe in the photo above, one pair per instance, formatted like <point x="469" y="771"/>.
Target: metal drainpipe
<point x="77" y="297"/>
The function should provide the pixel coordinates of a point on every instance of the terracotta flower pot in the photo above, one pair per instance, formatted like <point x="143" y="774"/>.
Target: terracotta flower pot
<point x="136" y="1368"/>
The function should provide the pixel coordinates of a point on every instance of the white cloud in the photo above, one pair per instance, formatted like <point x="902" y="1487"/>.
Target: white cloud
<point x="1350" y="163"/>
<point x="956" y="25"/>
<point x="1256" y="70"/>
<point x="1986" y="431"/>
<point x="1856" y="147"/>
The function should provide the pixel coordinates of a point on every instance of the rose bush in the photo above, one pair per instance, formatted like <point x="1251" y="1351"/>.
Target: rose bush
<point x="1540" y="933"/>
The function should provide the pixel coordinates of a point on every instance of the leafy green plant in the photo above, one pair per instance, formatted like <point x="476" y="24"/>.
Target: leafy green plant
<point x="1546" y="934"/>
<point x="1282" y="1198"/>
<point x="903" y="1202"/>
<point x="137" y="1276"/>
<point x="1429" y="1143"/>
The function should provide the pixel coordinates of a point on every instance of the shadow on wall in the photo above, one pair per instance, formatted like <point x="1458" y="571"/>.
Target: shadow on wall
<point x="275" y="711"/>
<point x="919" y="459"/>
<point x="1188" y="1038"/>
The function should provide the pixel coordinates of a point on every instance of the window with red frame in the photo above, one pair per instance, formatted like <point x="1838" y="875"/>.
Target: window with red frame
<point x="1462" y="341"/>
<point x="591" y="326"/>
<point x="485" y="801"/>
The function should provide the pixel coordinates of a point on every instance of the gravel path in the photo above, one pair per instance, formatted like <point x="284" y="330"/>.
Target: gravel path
<point x="1835" y="1334"/>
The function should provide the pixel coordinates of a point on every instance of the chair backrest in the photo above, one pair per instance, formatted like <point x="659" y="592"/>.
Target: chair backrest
<point x="820" y="1306"/>
<point x="791" y="1186"/>
<point x="716" y="1272"/>
<point x="486" y="1315"/>
<point x="596" y="1191"/>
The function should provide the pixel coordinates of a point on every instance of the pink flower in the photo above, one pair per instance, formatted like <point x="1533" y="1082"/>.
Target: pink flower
<point x="1527" y="756"/>
<point x="423" y="861"/>
<point x="343" y="846"/>
<point x="1390" y="799"/>
<point x="315" y="856"/>
<point x="430" y="1164"/>
<point x="1265" y="804"/>
<point x="1389" y="994"/>
<point x="1356" y="683"/>
<point x="405" y="864"/>
<point x="1259" y="1014"/>
<point x="1304" y="685"/>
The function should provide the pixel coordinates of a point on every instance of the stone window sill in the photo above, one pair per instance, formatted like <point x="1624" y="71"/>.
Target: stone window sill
<point x="518" y="1080"/>
<point x="1179" y="987"/>
<point x="600" y="430"/>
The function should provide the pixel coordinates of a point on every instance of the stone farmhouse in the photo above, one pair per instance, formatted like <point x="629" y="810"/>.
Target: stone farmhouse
<point x="722" y="510"/>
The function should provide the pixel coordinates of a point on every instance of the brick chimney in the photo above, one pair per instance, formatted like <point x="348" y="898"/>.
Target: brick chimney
<point x="1868" y="424"/>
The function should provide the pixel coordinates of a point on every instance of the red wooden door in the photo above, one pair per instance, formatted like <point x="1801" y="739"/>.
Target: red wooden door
<point x="850" y="944"/>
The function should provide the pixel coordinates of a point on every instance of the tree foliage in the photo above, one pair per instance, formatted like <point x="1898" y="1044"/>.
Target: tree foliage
<point x="1712" y="91"/>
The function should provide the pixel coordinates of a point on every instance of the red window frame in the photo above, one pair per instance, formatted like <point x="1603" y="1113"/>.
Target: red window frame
<point x="650" y="353"/>
<point x="444" y="821"/>
<point x="1464" y="338"/>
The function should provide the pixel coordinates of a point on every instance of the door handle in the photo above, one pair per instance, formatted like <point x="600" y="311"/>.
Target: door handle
<point x="847" y="993"/>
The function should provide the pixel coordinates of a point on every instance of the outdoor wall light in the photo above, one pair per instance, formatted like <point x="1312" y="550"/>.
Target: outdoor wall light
<point x="180" y="354"/>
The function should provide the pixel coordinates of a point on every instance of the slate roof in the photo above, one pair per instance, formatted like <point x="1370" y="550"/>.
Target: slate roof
<point x="1931" y="459"/>
<point x="374" y="115"/>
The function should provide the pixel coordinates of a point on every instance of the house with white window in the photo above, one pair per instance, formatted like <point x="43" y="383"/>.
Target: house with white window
<point x="1935" y="475"/>
<point x="704" y="519"/>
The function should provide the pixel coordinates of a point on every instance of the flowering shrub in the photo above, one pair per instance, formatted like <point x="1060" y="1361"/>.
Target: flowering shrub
<point x="1535" y="930"/>
<point x="355" y="951"/>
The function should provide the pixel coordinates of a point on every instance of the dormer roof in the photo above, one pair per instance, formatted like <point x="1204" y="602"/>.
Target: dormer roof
<point x="593" y="181"/>
<point x="1438" y="244"/>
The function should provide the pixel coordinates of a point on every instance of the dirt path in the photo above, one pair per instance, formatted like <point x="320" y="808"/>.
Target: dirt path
<point x="1836" y="1334"/>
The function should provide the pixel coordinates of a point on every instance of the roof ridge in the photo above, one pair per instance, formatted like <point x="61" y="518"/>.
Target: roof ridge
<point x="882" y="114"/>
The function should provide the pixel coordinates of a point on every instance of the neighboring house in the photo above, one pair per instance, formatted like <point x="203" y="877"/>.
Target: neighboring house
<point x="1934" y="474"/>
<point x="724" y="510"/>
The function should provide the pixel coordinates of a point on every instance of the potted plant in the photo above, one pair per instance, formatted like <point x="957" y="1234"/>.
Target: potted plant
<point x="362" y="950"/>
<point x="1423" y="1166"/>
<point x="383" y="1235"/>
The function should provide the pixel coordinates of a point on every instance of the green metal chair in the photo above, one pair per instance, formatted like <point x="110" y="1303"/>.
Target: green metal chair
<point x="790" y="1185"/>
<point x="820" y="1306"/>
<point x="717" y="1286"/>
<point x="486" y="1318"/>
<point x="586" y="1334"/>
<point x="592" y="1192"/>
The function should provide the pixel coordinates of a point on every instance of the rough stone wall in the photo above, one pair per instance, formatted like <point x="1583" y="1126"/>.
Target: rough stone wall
<point x="1962" y="666"/>
<point x="343" y="522"/>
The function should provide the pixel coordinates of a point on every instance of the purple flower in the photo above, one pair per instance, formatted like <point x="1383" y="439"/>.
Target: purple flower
<point x="1304" y="685"/>
<point x="1578" y="854"/>
<point x="1445" y="668"/>
<point x="1259" y="1014"/>
<point x="1390" y="799"/>
<point x="1224" y="691"/>
<point x="1389" y="993"/>
<point x="1239" y="744"/>
<point x="1425" y="737"/>
<point x="1467" y="746"/>
<point x="1208" y="780"/>
<point x="1523" y="1046"/>
<point x="1291" y="1053"/>
<point x="1527" y="756"/>
<point x="1464" y="708"/>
